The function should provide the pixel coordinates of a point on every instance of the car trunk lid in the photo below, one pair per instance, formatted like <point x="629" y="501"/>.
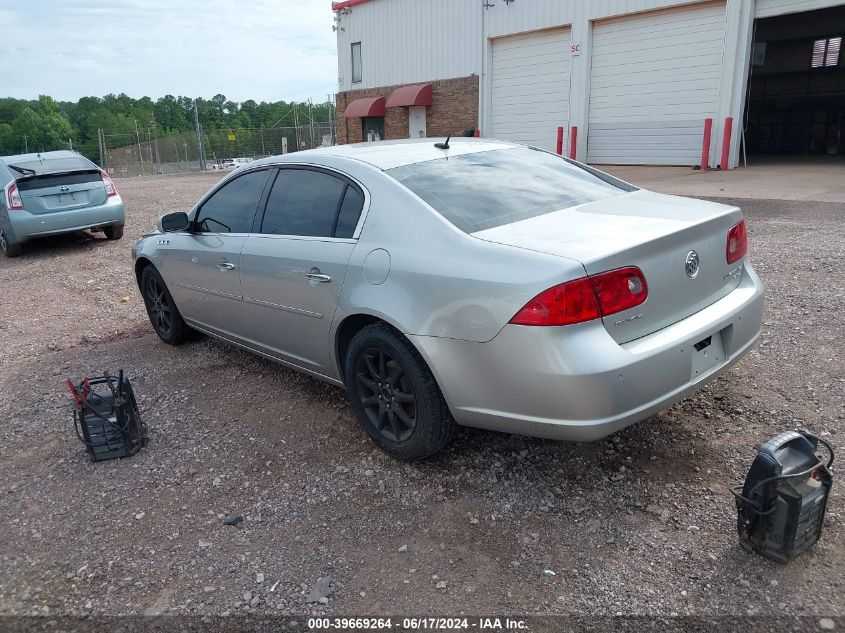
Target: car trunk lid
<point x="651" y="231"/>
<point x="64" y="191"/>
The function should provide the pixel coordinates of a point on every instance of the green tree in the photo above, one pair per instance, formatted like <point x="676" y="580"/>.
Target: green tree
<point x="40" y="131"/>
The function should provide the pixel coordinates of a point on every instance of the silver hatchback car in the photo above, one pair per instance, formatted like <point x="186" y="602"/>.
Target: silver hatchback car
<point x="55" y="192"/>
<point x="476" y="282"/>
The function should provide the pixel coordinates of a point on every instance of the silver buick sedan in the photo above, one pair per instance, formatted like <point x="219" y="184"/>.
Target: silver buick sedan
<point x="471" y="282"/>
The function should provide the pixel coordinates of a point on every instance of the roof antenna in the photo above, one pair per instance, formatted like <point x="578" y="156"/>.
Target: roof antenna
<point x="443" y="145"/>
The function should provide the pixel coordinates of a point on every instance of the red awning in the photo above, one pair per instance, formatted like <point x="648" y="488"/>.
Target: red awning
<point x="419" y="95"/>
<point x="370" y="106"/>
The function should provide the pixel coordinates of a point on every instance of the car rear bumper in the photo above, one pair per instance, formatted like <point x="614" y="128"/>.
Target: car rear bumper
<point x="26" y="225"/>
<point x="576" y="383"/>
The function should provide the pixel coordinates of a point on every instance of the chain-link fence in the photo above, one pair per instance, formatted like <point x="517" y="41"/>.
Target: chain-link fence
<point x="140" y="155"/>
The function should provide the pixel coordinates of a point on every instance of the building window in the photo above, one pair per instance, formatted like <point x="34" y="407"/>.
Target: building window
<point x="826" y="52"/>
<point x="356" y="63"/>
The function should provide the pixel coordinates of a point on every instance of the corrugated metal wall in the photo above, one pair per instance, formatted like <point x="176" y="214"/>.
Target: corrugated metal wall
<point x="769" y="8"/>
<point x="409" y="41"/>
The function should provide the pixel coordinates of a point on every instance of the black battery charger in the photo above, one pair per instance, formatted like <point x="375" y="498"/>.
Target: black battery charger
<point x="781" y="506"/>
<point x="106" y="417"/>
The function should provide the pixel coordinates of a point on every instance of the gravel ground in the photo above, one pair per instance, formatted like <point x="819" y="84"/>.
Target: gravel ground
<point x="640" y="523"/>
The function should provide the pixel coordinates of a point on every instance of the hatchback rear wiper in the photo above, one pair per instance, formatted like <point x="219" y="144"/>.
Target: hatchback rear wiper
<point x="26" y="171"/>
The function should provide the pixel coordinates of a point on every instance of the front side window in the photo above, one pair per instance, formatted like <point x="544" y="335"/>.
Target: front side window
<point x="231" y="209"/>
<point x="356" y="63"/>
<point x="487" y="189"/>
<point x="311" y="203"/>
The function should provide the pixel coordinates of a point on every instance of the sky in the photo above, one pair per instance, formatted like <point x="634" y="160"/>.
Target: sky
<point x="266" y="50"/>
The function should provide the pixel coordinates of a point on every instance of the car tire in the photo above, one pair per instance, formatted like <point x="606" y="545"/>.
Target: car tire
<point x="9" y="249"/>
<point x="395" y="396"/>
<point x="113" y="232"/>
<point x="161" y="309"/>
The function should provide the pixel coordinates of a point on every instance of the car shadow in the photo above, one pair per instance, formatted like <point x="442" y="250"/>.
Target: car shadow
<point x="62" y="243"/>
<point x="651" y="445"/>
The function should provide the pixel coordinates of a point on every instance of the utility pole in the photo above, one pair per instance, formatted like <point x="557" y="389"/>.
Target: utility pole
<point x="261" y="132"/>
<point x="296" y="127"/>
<point x="100" y="145"/>
<point x="200" y="147"/>
<point x="155" y="141"/>
<point x="140" y="154"/>
<point x="331" y="120"/>
<point x="25" y="145"/>
<point x="311" y="118"/>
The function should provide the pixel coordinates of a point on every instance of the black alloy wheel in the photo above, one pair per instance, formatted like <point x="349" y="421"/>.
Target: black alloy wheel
<point x="162" y="310"/>
<point x="394" y="394"/>
<point x="386" y="393"/>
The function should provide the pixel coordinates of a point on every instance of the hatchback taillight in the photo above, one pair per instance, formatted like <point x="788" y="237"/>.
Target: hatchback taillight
<point x="585" y="299"/>
<point x="111" y="190"/>
<point x="737" y="244"/>
<point x="13" y="197"/>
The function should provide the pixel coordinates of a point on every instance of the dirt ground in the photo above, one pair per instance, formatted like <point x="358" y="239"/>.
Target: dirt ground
<point x="639" y="524"/>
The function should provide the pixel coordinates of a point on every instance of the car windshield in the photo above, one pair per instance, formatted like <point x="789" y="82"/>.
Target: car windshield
<point x="51" y="164"/>
<point x="484" y="190"/>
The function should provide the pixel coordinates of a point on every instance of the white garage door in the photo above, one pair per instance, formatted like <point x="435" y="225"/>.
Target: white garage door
<point x="654" y="79"/>
<point x="530" y="87"/>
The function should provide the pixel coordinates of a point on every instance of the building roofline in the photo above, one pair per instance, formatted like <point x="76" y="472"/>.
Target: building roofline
<point x="343" y="4"/>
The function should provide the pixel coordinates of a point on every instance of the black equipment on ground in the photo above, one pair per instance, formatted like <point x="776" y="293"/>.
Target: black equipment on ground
<point x="106" y="417"/>
<point x="780" y="509"/>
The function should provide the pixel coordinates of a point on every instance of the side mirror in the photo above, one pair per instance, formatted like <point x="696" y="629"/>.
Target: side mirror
<point x="173" y="222"/>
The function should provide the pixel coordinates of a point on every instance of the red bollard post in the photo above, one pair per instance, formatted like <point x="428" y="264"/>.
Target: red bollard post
<point x="559" y="149"/>
<point x="573" y="142"/>
<point x="726" y="142"/>
<point x="705" y="145"/>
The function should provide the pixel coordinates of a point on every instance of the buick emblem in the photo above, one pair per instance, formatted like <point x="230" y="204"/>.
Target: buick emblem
<point x="691" y="265"/>
<point x="64" y="188"/>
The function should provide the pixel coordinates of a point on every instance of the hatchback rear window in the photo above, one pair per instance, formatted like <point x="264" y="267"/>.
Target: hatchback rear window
<point x="488" y="189"/>
<point x="52" y="165"/>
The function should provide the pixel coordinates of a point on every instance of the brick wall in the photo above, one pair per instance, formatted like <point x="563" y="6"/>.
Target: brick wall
<point x="454" y="109"/>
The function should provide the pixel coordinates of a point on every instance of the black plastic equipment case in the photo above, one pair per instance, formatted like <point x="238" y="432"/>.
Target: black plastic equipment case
<point x="780" y="509"/>
<point x="106" y="417"/>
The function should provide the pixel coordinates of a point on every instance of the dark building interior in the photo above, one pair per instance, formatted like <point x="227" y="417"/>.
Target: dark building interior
<point x="796" y="95"/>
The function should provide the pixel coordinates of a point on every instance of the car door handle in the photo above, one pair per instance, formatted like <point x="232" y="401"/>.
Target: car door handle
<point x="320" y="277"/>
<point x="226" y="266"/>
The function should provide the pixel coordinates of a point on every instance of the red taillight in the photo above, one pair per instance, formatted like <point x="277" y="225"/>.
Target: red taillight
<point x="111" y="190"/>
<point x="620" y="289"/>
<point x="572" y="302"/>
<point x="737" y="244"/>
<point x="13" y="197"/>
<point x="585" y="299"/>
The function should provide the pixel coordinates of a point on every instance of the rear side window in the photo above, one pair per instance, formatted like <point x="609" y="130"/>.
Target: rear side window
<point x="484" y="190"/>
<point x="232" y="207"/>
<point x="350" y="211"/>
<point x="311" y="203"/>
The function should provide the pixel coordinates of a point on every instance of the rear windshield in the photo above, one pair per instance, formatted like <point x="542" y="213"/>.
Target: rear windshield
<point x="49" y="164"/>
<point x="488" y="189"/>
